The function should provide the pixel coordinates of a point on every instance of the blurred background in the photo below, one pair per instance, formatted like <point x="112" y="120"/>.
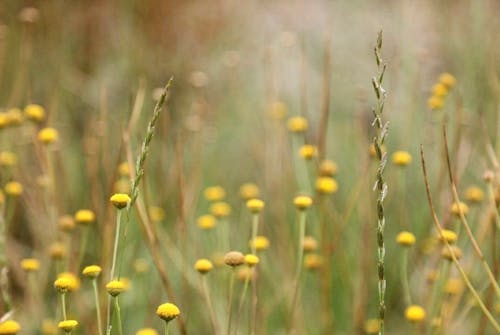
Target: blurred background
<point x="241" y="68"/>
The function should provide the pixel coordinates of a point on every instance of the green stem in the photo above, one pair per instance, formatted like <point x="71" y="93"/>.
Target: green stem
<point x="242" y="298"/>
<point x="97" y="306"/>
<point x="437" y="294"/>
<point x="166" y="327"/>
<point x="113" y="265"/>
<point x="211" y="311"/>
<point x="230" y="301"/>
<point x="255" y="227"/>
<point x="118" y="316"/>
<point x="300" y="256"/>
<point x="404" y="276"/>
<point x="63" y="305"/>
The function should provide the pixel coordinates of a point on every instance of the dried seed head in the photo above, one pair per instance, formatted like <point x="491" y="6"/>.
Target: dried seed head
<point x="234" y="258"/>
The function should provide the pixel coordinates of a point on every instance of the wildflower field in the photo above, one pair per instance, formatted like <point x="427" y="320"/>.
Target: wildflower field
<point x="249" y="167"/>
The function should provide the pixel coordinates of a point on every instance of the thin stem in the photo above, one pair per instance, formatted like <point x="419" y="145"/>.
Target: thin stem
<point x="208" y="299"/>
<point x="255" y="227"/>
<point x="437" y="224"/>
<point x="491" y="197"/>
<point x="118" y="316"/>
<point x="230" y="300"/>
<point x="404" y="276"/>
<point x="242" y="297"/>
<point x="63" y="305"/>
<point x="166" y="327"/>
<point x="298" y="272"/>
<point x="456" y="199"/>
<point x="437" y="294"/>
<point x="113" y="265"/>
<point x="97" y="306"/>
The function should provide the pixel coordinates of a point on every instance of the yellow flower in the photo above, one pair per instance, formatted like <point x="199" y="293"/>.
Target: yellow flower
<point x="448" y="235"/>
<point x="401" y="158"/>
<point x="84" y="216"/>
<point x="251" y="260"/>
<point x="122" y="186"/>
<point x="13" y="189"/>
<point x="74" y="281"/>
<point x="234" y="258"/>
<point x="454" y="286"/>
<point x="8" y="159"/>
<point x="48" y="135"/>
<point x="328" y="168"/>
<point x="124" y="170"/>
<point x="447" y="79"/>
<point x="313" y="261"/>
<point x="255" y="205"/>
<point x="214" y="193"/>
<point x="115" y="287"/>
<point x="57" y="250"/>
<point x="435" y="102"/>
<point x="414" y="313"/>
<point x="249" y="191"/>
<point x="439" y="90"/>
<point x="9" y="327"/>
<point x="66" y="223"/>
<point x="120" y="200"/>
<point x="157" y="214"/>
<point x="474" y="194"/>
<point x="260" y="243"/>
<point x="3" y="120"/>
<point x="372" y="326"/>
<point x="203" y="266"/>
<point x="297" y="124"/>
<point x="206" y="221"/>
<point x="278" y="110"/>
<point x="447" y="254"/>
<point x="62" y="284"/>
<point x="405" y="239"/>
<point x="146" y="331"/>
<point x="168" y="311"/>
<point x="30" y="264"/>
<point x="92" y="271"/>
<point x="302" y="202"/>
<point x="34" y="112"/>
<point x="14" y="117"/>
<point x="141" y="265"/>
<point x="220" y="209"/>
<point x="460" y="207"/>
<point x="68" y="325"/>
<point x="310" y="244"/>
<point x="326" y="185"/>
<point x="308" y="151"/>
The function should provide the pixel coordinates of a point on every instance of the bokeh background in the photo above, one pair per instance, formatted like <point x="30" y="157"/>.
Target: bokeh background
<point x="87" y="62"/>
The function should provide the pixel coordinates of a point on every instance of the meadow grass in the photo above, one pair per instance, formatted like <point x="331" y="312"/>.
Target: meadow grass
<point x="238" y="197"/>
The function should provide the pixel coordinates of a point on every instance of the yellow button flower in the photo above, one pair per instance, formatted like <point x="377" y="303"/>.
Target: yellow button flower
<point x="84" y="216"/>
<point x="328" y="168"/>
<point x="401" y="158"/>
<point x="308" y="151"/>
<point x="460" y="207"/>
<point x="297" y="124"/>
<point x="34" y="113"/>
<point x="48" y="135"/>
<point x="214" y="193"/>
<point x="206" y="221"/>
<point x="448" y="80"/>
<point x="415" y="313"/>
<point x="13" y="189"/>
<point x="326" y="185"/>
<point x="313" y="261"/>
<point x="255" y="205"/>
<point x="435" y="103"/>
<point x="115" y="287"/>
<point x="168" y="311"/>
<point x="474" y="194"/>
<point x="120" y="200"/>
<point x="448" y="236"/>
<point x="260" y="243"/>
<point x="203" y="266"/>
<point x="146" y="331"/>
<point x="251" y="260"/>
<point x="9" y="327"/>
<point x="302" y="202"/>
<point x="68" y="325"/>
<point x="30" y="264"/>
<point x="249" y="191"/>
<point x="7" y="159"/>
<point x="310" y="244"/>
<point x="92" y="271"/>
<point x="220" y="209"/>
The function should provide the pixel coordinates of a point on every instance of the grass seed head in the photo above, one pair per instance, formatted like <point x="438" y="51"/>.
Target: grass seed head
<point x="406" y="239"/>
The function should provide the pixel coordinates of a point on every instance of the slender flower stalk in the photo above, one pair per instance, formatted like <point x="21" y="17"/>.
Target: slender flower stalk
<point x="380" y="184"/>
